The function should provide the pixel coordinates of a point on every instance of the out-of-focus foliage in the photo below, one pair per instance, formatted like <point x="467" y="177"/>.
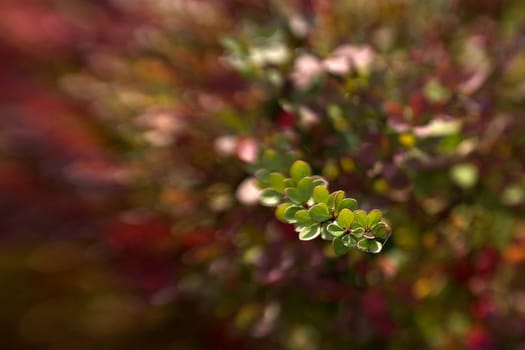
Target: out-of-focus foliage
<point x="129" y="130"/>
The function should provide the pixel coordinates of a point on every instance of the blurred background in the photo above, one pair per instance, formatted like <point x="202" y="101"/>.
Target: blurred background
<point x="129" y="130"/>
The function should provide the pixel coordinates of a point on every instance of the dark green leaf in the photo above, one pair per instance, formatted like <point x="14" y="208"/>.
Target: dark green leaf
<point x="339" y="246"/>
<point x="381" y="231"/>
<point x="294" y="195"/>
<point x="303" y="218"/>
<point x="271" y="159"/>
<point x="325" y="234"/>
<point x="348" y="203"/>
<point x="263" y="175"/>
<point x="349" y="241"/>
<point x="289" y="183"/>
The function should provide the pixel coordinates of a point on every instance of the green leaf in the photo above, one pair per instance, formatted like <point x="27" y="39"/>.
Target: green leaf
<point x="349" y="241"/>
<point x="281" y="210"/>
<point x="369" y="246"/>
<point x="299" y="170"/>
<point x="348" y="203"/>
<point x="325" y="234"/>
<point x="306" y="188"/>
<point x="361" y="219"/>
<point x="289" y="183"/>
<point x="303" y="218"/>
<point x="263" y="175"/>
<point x="319" y="181"/>
<point x="335" y="230"/>
<point x="289" y="213"/>
<point x="339" y="246"/>
<point x="277" y="181"/>
<point x="382" y="231"/>
<point x="294" y="195"/>
<point x="309" y="232"/>
<point x="270" y="197"/>
<point x="345" y="218"/>
<point x="369" y="235"/>
<point x="271" y="159"/>
<point x="319" y="212"/>
<point x="373" y="217"/>
<point x="335" y="199"/>
<point x="320" y="194"/>
<point x="358" y="232"/>
<point x="298" y="228"/>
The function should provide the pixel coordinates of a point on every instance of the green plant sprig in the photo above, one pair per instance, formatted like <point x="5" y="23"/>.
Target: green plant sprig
<point x="305" y="201"/>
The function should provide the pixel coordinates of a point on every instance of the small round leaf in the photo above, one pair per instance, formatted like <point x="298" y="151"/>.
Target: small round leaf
<point x="349" y="241"/>
<point x="369" y="246"/>
<point x="358" y="232"/>
<point x="339" y="246"/>
<point x="325" y="234"/>
<point x="319" y="212"/>
<point x="303" y="218"/>
<point x="270" y="197"/>
<point x="281" y="210"/>
<point x="319" y="181"/>
<point x="299" y="170"/>
<point x="277" y="181"/>
<point x="263" y="175"/>
<point x="271" y="159"/>
<point x="345" y="218"/>
<point x="305" y="188"/>
<point x="320" y="194"/>
<point x="335" y="199"/>
<point x="289" y="213"/>
<point x="335" y="230"/>
<point x="382" y="231"/>
<point x="294" y="195"/>
<point x="348" y="203"/>
<point x="309" y="232"/>
<point x="373" y="217"/>
<point x="289" y="182"/>
<point x="361" y="219"/>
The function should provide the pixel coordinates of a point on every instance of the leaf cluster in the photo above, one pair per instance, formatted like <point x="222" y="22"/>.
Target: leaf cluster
<point x="303" y="199"/>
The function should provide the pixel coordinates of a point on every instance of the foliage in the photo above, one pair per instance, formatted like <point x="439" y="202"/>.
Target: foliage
<point x="304" y="200"/>
<point x="130" y="138"/>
